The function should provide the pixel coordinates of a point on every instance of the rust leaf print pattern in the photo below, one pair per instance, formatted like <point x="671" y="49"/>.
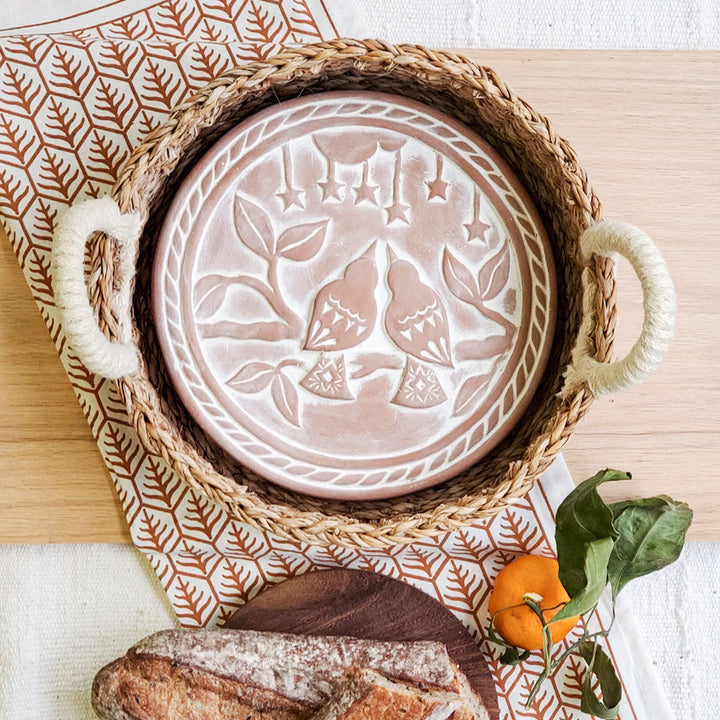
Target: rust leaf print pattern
<point x="302" y="18"/>
<point x="69" y="72"/>
<point x="238" y="581"/>
<point x="192" y="605"/>
<point x="227" y="8"/>
<point x="39" y="275"/>
<point x="263" y="26"/>
<point x="421" y="562"/>
<point x="518" y="533"/>
<point x="119" y="59"/>
<point x="19" y="90"/>
<point x="196" y="560"/>
<point x="118" y="80"/>
<point x="112" y="106"/>
<point x="541" y="705"/>
<point x="12" y="193"/>
<point x="207" y="63"/>
<point x="202" y="516"/>
<point x="27" y="48"/>
<point x="161" y="86"/>
<point x="62" y="124"/>
<point x="58" y="176"/>
<point x="15" y="142"/>
<point x="162" y="489"/>
<point x="43" y="223"/>
<point x="153" y="534"/>
<point x="462" y="585"/>
<point x="105" y="157"/>
<point x="286" y="565"/>
<point x="175" y="19"/>
<point x="334" y="557"/>
<point x="241" y="543"/>
<point x="574" y="675"/>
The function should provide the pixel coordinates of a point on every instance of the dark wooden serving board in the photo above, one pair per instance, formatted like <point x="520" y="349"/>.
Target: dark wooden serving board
<point x="366" y="605"/>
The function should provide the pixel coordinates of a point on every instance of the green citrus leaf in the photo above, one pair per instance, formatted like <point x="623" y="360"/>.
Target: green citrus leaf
<point x="512" y="655"/>
<point x="652" y="535"/>
<point x="595" y="572"/>
<point x="600" y="665"/>
<point x="584" y="536"/>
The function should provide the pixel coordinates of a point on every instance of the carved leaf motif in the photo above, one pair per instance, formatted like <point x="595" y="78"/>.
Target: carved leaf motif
<point x="510" y="301"/>
<point x="469" y="392"/>
<point x="285" y="397"/>
<point x="210" y="293"/>
<point x="253" y="227"/>
<point x="459" y="279"/>
<point x="484" y="349"/>
<point x="253" y="377"/>
<point x="302" y="242"/>
<point x="369" y="363"/>
<point x="494" y="274"/>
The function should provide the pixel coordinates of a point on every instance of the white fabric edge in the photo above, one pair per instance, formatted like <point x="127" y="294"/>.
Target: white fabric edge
<point x="347" y="17"/>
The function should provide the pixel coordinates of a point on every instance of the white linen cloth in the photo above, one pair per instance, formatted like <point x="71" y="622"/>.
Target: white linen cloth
<point x="584" y="25"/>
<point x="90" y="602"/>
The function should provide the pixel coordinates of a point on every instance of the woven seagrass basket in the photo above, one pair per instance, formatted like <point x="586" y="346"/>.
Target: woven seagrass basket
<point x="549" y="169"/>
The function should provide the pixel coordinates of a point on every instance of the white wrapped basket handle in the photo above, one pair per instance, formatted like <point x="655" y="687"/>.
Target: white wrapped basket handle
<point x="118" y="359"/>
<point x="659" y="303"/>
<point x="75" y="227"/>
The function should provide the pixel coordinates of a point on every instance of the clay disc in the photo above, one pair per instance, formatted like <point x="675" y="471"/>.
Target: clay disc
<point x="354" y="295"/>
<point x="370" y="606"/>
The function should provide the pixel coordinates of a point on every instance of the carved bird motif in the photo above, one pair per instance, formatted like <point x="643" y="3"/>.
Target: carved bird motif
<point x="344" y="310"/>
<point x="415" y="319"/>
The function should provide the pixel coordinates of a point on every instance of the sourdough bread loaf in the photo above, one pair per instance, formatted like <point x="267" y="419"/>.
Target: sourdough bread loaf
<point x="367" y="694"/>
<point x="248" y="675"/>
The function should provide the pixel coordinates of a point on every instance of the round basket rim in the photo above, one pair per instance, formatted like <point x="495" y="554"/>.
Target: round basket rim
<point x="302" y="518"/>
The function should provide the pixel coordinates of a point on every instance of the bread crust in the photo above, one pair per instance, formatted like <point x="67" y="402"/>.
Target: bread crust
<point x="367" y="695"/>
<point x="248" y="675"/>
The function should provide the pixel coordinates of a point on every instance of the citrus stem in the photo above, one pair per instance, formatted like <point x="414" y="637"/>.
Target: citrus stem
<point x="584" y="637"/>
<point x="549" y="664"/>
<point x="546" y="648"/>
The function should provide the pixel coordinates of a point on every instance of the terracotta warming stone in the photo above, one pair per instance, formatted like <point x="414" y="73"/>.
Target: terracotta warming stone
<point x="354" y="295"/>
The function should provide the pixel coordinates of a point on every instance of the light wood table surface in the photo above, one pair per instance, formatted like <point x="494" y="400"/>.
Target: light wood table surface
<point x="646" y="125"/>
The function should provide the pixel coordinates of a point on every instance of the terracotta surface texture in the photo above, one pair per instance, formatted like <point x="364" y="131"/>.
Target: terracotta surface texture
<point x="354" y="295"/>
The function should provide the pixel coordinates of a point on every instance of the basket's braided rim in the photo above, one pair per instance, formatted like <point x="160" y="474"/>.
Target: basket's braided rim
<point x="548" y="167"/>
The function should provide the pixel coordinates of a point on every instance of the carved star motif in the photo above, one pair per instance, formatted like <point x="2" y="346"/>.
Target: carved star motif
<point x="477" y="229"/>
<point x="438" y="188"/>
<point x="331" y="189"/>
<point x="366" y="191"/>
<point x="292" y="196"/>
<point x="397" y="211"/>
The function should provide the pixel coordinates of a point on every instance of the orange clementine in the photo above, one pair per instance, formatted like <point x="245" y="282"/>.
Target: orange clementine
<point x="520" y="626"/>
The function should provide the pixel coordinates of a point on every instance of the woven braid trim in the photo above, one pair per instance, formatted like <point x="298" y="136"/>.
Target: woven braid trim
<point x="548" y="167"/>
